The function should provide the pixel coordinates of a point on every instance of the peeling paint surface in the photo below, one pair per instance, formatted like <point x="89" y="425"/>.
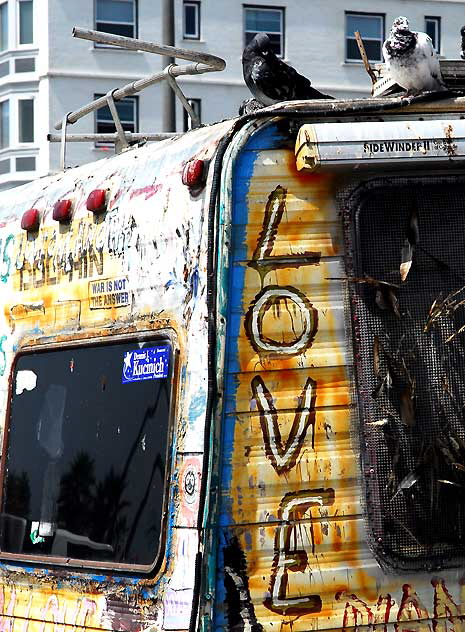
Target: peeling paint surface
<point x="137" y="268"/>
<point x="291" y="481"/>
<point x="287" y="548"/>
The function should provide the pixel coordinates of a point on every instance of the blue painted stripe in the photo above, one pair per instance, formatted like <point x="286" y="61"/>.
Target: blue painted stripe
<point x="266" y="138"/>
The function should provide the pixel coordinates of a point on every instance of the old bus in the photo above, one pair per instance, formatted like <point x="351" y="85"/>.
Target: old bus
<point x="233" y="381"/>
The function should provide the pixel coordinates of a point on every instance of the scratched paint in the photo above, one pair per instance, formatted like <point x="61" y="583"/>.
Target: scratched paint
<point x="139" y="267"/>
<point x="287" y="549"/>
<point x="291" y="479"/>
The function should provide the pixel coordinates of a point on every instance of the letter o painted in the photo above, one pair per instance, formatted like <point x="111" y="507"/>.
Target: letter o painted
<point x="262" y="303"/>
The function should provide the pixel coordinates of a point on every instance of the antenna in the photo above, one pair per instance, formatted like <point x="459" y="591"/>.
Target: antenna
<point x="203" y="63"/>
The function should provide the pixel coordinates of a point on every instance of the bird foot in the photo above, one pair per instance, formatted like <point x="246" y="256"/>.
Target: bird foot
<point x="411" y="93"/>
<point x="249" y="106"/>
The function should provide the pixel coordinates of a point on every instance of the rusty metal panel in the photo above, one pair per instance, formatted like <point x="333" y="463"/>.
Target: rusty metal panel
<point x="371" y="145"/>
<point x="139" y="267"/>
<point x="292" y="545"/>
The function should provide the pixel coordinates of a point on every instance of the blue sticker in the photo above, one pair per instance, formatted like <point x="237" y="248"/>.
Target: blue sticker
<point x="146" y="364"/>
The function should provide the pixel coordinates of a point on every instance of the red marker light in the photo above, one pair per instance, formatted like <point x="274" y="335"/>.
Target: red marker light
<point x="30" y="220"/>
<point x="62" y="210"/>
<point x="96" y="202"/>
<point x="194" y="174"/>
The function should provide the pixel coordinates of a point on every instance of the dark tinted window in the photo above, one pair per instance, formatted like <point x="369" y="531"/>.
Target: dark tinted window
<point x="433" y="29"/>
<point x="117" y="17"/>
<point x="410" y="350"/>
<point x="265" y="20"/>
<point x="127" y="111"/>
<point x="192" y="20"/>
<point x="371" y="29"/>
<point x="86" y="456"/>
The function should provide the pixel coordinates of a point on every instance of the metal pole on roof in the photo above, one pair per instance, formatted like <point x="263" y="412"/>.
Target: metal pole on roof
<point x="168" y="108"/>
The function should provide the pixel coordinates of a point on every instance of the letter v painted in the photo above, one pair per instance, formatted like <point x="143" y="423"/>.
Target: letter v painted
<point x="284" y="456"/>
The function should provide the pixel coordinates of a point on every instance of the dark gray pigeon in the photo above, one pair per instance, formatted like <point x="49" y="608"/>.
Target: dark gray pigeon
<point x="412" y="61"/>
<point x="269" y="79"/>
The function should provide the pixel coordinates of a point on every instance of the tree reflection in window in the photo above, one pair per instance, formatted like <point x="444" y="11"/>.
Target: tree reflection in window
<point x="86" y="459"/>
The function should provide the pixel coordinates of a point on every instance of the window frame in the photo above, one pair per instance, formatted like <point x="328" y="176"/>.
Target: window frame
<point x="352" y="200"/>
<point x="7" y="43"/>
<point x="194" y="102"/>
<point x="162" y="335"/>
<point x="436" y="19"/>
<point x="8" y="101"/>
<point x="382" y="17"/>
<point x="268" y="8"/>
<point x="18" y="24"/>
<point x="196" y="4"/>
<point x="102" y="144"/>
<point x="26" y="142"/>
<point x="135" y="25"/>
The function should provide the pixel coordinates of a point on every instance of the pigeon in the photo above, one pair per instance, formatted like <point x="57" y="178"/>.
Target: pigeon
<point x="411" y="59"/>
<point x="269" y="79"/>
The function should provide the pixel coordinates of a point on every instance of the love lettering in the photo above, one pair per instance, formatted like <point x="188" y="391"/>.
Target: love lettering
<point x="283" y="452"/>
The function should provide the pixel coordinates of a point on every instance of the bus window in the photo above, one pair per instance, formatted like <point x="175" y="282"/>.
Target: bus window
<point x="86" y="453"/>
<point x="408" y="297"/>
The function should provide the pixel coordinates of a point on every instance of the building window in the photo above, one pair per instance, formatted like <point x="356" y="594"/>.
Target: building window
<point x="25" y="64"/>
<point x="4" y="124"/>
<point x="191" y="13"/>
<point x="128" y="112"/>
<point x="26" y="120"/>
<point x="371" y="28"/>
<point x="116" y="16"/>
<point x="4" y="26"/>
<point x="25" y="163"/>
<point x="433" y="29"/>
<point x="265" y="20"/>
<point x="196" y="105"/>
<point x="80" y="481"/>
<point x="26" y="27"/>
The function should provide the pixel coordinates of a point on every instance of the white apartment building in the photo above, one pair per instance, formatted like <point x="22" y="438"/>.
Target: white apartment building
<point x="45" y="73"/>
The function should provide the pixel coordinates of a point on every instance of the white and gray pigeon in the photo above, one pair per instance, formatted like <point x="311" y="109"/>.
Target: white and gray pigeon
<point x="269" y="79"/>
<point x="411" y="59"/>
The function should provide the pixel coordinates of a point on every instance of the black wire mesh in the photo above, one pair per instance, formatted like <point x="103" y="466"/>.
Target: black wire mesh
<point x="410" y="361"/>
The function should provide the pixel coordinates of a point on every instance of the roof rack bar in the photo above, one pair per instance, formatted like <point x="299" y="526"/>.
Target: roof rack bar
<point x="122" y="142"/>
<point x="131" y="137"/>
<point x="181" y="96"/>
<point x="160" y="49"/>
<point x="134" y="87"/>
<point x="202" y="62"/>
<point x="63" y="142"/>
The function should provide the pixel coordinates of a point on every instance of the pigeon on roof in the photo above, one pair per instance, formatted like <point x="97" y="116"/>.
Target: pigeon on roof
<point x="411" y="59"/>
<point x="269" y="79"/>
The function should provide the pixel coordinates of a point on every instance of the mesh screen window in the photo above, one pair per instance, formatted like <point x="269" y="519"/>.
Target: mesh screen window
<point x="409" y="332"/>
<point x="85" y="464"/>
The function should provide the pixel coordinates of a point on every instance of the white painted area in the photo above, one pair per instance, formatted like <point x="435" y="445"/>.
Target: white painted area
<point x="25" y="381"/>
<point x="154" y="241"/>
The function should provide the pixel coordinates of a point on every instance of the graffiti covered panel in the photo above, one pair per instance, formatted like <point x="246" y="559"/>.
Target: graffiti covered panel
<point x="134" y="270"/>
<point x="292" y="504"/>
